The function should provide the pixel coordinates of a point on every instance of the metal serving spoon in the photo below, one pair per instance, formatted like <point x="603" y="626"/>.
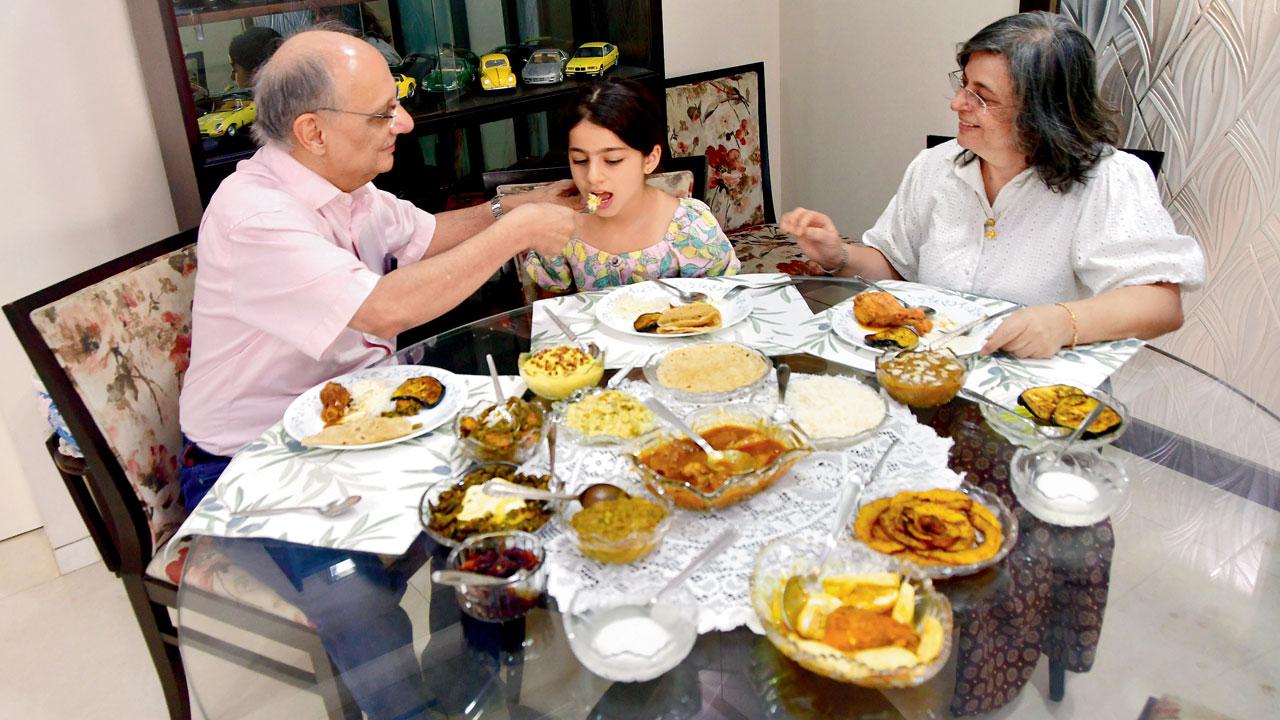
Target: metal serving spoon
<point x="595" y="493"/>
<point x="589" y="348"/>
<point x="333" y="509"/>
<point x="942" y="340"/>
<point x="1075" y="434"/>
<point x="876" y="286"/>
<point x="459" y="578"/>
<point x="733" y="462"/>
<point x="781" y="415"/>
<point x="1053" y="432"/>
<point x="683" y="296"/>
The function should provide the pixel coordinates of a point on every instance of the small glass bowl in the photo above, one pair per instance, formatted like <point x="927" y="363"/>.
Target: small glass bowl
<point x="1008" y="528"/>
<point x="1083" y="488"/>
<point x="509" y="600"/>
<point x="745" y="392"/>
<point x="737" y="487"/>
<point x="519" y="452"/>
<point x="559" y="388"/>
<point x="597" y="623"/>
<point x="788" y="556"/>
<point x="840" y="442"/>
<point x="924" y="394"/>
<point x="1021" y="430"/>
<point x="622" y="550"/>
<point x="431" y="497"/>
<point x="568" y="434"/>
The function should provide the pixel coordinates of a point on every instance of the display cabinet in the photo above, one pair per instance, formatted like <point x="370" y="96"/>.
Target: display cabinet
<point x="439" y="50"/>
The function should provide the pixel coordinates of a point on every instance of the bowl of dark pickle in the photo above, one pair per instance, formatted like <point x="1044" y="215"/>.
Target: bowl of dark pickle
<point x="517" y="557"/>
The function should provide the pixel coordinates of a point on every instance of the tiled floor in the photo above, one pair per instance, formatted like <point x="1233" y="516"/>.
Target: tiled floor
<point x="1194" y="610"/>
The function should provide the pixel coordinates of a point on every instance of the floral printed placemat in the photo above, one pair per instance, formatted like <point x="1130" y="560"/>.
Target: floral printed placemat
<point x="773" y="312"/>
<point x="999" y="377"/>
<point x="275" y="471"/>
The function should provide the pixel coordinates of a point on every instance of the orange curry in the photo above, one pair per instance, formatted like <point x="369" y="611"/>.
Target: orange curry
<point x="684" y="461"/>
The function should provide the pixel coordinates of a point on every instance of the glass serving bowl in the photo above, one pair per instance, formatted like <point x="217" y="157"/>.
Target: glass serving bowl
<point x="736" y="487"/>
<point x="524" y="447"/>
<point x="931" y="390"/>
<point x="621" y="550"/>
<point x="1008" y="529"/>
<point x="788" y="556"/>
<point x="569" y="434"/>
<point x="430" y="503"/>
<point x="561" y="387"/>
<point x="1021" y="430"/>
<point x="836" y="442"/>
<point x="1083" y="488"/>
<point x="741" y="393"/>
<point x="508" y="600"/>
<point x="617" y="635"/>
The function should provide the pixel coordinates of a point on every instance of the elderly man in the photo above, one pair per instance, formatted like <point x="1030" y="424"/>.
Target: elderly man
<point x="290" y="292"/>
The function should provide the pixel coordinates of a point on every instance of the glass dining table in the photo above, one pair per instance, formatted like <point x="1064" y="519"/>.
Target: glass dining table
<point x="1169" y="608"/>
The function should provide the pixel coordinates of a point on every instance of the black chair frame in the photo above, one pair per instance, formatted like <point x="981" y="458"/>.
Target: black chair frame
<point x="695" y="165"/>
<point x="1153" y="158"/>
<point x="118" y="525"/>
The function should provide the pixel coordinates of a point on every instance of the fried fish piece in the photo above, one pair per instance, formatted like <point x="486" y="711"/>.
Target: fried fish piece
<point x="882" y="310"/>
<point x="335" y="402"/>
<point x="850" y="628"/>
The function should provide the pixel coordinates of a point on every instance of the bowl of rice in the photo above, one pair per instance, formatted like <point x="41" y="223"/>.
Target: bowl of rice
<point x="835" y="411"/>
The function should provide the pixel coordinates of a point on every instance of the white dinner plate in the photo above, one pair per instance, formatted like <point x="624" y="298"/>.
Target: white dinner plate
<point x="619" y="309"/>
<point x="303" y="416"/>
<point x="952" y="312"/>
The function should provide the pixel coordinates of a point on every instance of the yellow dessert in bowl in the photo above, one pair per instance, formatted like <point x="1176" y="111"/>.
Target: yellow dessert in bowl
<point x="557" y="372"/>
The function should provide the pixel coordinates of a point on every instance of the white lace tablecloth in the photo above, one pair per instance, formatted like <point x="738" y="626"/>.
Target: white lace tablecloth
<point x="999" y="377"/>
<point x="276" y="471"/>
<point x="802" y="503"/>
<point x="773" y="312"/>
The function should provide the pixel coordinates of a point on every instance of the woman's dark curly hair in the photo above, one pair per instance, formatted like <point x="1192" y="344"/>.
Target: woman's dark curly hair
<point x="1062" y="125"/>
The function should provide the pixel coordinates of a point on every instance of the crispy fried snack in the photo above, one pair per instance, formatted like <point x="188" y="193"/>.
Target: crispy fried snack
<point x="882" y="310"/>
<point x="850" y="629"/>
<point x="934" y="527"/>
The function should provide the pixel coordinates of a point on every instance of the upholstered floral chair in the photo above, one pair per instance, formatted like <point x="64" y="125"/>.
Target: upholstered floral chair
<point x="111" y="345"/>
<point x="719" y="115"/>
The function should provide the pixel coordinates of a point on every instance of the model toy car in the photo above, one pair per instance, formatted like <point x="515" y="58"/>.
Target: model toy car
<point x="406" y="87"/>
<point x="453" y="72"/>
<point x="495" y="72"/>
<point x="517" y="54"/>
<point x="593" y="58"/>
<point x="228" y="117"/>
<point x="546" y="66"/>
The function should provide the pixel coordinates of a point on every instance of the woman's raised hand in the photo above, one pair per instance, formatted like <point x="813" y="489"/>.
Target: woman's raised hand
<point x="816" y="235"/>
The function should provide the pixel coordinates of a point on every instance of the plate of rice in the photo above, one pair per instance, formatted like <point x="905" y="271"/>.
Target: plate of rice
<point x="835" y="411"/>
<point x="367" y="420"/>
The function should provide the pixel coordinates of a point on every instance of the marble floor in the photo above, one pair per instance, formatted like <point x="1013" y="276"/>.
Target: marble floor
<point x="1194" y="611"/>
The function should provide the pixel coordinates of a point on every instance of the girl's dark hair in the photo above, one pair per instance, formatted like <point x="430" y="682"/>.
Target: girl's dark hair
<point x="1062" y="125"/>
<point x="624" y="107"/>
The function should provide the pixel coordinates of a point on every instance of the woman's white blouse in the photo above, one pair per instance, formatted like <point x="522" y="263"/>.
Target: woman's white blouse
<point x="1049" y="247"/>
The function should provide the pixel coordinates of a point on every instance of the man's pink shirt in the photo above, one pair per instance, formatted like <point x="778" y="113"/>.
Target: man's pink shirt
<point x="284" y="261"/>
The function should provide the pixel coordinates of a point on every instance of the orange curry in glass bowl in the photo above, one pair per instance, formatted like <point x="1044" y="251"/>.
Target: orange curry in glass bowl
<point x="682" y="460"/>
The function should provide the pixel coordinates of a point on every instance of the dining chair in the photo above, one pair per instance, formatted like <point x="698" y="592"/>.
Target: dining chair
<point x="111" y="346"/>
<point x="1153" y="158"/>
<point x="681" y="177"/>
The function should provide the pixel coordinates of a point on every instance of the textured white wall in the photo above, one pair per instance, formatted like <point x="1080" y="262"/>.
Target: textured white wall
<point x="700" y="35"/>
<point x="864" y="82"/>
<point x="82" y="182"/>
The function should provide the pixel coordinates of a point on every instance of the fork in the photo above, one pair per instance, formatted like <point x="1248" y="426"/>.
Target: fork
<point x="737" y="290"/>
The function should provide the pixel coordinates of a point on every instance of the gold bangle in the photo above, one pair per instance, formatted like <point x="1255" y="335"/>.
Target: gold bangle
<point x="844" y="259"/>
<point x="1075" y="326"/>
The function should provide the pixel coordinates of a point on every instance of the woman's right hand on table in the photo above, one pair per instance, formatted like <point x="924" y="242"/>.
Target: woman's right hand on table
<point x="816" y="235"/>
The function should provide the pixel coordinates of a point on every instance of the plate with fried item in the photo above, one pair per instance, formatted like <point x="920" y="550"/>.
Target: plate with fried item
<point x="879" y="321"/>
<point x="374" y="407"/>
<point x="947" y="533"/>
<point x="647" y="310"/>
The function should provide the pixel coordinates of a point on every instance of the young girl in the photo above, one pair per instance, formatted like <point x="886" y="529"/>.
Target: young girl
<point x="636" y="232"/>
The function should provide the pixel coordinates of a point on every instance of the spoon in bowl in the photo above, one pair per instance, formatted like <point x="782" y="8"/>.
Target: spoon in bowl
<point x="461" y="578"/>
<point x="781" y="415"/>
<point x="1051" y="432"/>
<point x="683" y="296"/>
<point x="732" y="462"/>
<point x="595" y="493"/>
<point x="589" y="348"/>
<point x="333" y="509"/>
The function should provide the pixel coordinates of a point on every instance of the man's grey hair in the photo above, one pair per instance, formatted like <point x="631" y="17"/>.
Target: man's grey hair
<point x="288" y="87"/>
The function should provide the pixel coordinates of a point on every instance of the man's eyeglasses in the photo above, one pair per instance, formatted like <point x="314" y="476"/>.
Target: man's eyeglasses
<point x="389" y="117"/>
<point x="957" y="85"/>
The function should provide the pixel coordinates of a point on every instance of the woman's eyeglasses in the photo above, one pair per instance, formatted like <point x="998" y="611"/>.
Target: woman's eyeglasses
<point x="957" y="85"/>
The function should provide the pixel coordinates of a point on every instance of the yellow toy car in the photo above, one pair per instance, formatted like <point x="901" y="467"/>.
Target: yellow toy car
<point x="227" y="118"/>
<point x="495" y="72"/>
<point x="406" y="86"/>
<point x="593" y="58"/>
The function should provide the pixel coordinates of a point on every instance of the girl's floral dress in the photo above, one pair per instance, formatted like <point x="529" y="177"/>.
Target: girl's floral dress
<point x="693" y="246"/>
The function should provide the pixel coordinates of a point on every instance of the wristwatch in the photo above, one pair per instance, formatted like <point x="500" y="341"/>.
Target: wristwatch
<point x="495" y="207"/>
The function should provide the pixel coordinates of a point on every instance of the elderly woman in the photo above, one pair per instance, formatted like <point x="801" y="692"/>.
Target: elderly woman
<point x="1030" y="203"/>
